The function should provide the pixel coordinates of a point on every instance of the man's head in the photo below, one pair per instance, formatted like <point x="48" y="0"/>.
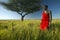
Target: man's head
<point x="45" y="7"/>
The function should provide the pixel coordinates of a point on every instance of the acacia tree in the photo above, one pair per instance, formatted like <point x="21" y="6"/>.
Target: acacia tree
<point x="23" y="7"/>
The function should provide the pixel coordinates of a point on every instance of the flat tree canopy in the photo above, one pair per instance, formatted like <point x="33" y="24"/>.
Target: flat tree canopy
<point x="23" y="7"/>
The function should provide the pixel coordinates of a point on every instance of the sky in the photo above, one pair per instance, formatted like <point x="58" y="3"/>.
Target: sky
<point x="54" y="6"/>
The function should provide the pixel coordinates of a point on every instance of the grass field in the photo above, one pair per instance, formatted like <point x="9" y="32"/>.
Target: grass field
<point x="28" y="30"/>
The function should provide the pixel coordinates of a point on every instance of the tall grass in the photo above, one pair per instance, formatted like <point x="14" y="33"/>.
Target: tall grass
<point x="28" y="30"/>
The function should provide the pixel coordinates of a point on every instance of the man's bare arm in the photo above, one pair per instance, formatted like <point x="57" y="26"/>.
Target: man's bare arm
<point x="50" y="16"/>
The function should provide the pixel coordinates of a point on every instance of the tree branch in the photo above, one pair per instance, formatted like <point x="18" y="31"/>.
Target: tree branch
<point x="26" y="14"/>
<point x="20" y="13"/>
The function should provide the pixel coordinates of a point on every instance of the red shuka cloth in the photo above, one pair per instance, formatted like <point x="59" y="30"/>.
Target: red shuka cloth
<point x="44" y="21"/>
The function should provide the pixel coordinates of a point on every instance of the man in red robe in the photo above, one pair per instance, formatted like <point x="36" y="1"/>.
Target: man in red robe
<point x="46" y="18"/>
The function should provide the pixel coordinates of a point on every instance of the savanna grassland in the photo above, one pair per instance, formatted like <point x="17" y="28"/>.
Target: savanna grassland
<point x="28" y="30"/>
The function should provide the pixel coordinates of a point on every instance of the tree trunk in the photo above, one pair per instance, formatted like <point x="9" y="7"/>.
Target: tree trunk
<point x="22" y="18"/>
